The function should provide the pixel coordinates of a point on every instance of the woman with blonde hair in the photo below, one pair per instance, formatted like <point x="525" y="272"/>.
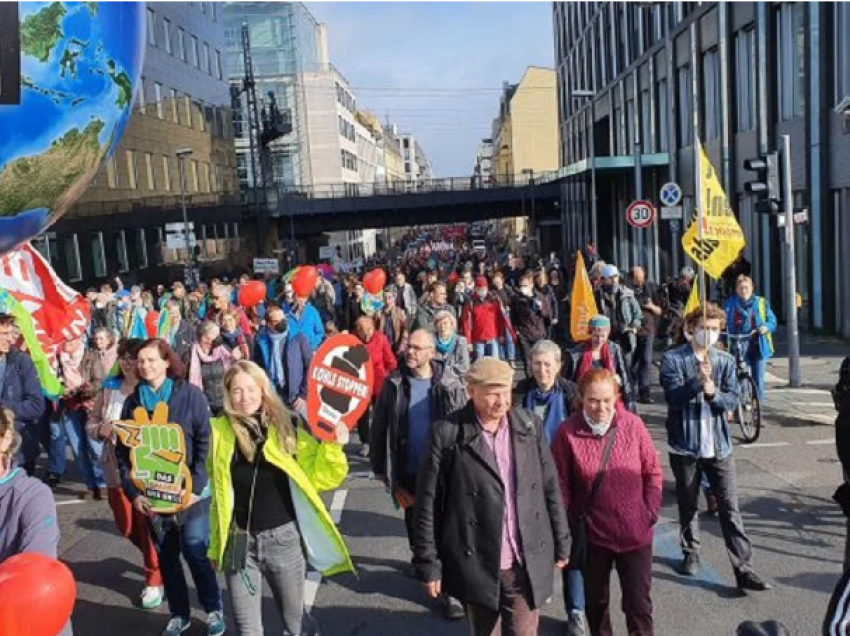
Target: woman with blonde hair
<point x="267" y="519"/>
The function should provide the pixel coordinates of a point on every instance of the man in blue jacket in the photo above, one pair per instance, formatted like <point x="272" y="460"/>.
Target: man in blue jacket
<point x="285" y="359"/>
<point x="701" y="386"/>
<point x="304" y="318"/>
<point x="20" y="392"/>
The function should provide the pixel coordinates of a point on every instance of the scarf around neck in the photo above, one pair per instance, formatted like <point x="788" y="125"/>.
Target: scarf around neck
<point x="586" y="363"/>
<point x="555" y="404"/>
<point x="219" y="354"/>
<point x="446" y="346"/>
<point x="150" y="397"/>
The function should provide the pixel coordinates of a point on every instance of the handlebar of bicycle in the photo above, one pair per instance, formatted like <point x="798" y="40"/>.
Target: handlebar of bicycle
<point x="741" y="336"/>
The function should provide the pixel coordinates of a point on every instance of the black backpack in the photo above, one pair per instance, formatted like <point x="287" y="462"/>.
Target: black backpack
<point x="841" y="392"/>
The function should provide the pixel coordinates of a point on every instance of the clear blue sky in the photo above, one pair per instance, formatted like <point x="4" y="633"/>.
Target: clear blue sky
<point x="443" y="63"/>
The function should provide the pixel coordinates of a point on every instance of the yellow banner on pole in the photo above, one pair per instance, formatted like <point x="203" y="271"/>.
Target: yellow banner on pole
<point x="722" y="238"/>
<point x="582" y="302"/>
<point x="693" y="299"/>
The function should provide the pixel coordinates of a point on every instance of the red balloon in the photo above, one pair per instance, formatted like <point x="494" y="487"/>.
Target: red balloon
<point x="36" y="595"/>
<point x="375" y="281"/>
<point x="453" y="278"/>
<point x="304" y="281"/>
<point x="251" y="293"/>
<point x="152" y="323"/>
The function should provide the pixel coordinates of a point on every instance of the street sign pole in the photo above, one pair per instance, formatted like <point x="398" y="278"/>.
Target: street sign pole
<point x="639" y="234"/>
<point x="795" y="375"/>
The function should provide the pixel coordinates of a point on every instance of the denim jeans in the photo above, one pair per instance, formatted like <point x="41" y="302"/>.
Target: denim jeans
<point x="573" y="581"/>
<point x="187" y="534"/>
<point x="507" y="351"/>
<point x="758" y="368"/>
<point x="85" y="450"/>
<point x="489" y="348"/>
<point x="275" y="555"/>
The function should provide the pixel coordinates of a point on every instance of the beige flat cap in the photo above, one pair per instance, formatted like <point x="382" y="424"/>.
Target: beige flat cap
<point x="490" y="372"/>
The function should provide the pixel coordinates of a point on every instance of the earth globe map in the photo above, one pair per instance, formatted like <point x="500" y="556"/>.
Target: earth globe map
<point x="80" y="63"/>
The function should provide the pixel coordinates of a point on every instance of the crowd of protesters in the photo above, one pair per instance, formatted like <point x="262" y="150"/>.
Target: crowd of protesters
<point x="501" y="482"/>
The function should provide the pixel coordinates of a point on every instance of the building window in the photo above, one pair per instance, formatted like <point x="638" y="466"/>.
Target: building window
<point x="166" y="35"/>
<point x="151" y="27"/>
<point x="196" y="58"/>
<point x="166" y="173"/>
<point x="132" y="169"/>
<point x="214" y="17"/>
<point x="149" y="170"/>
<point x="181" y="44"/>
<point x="630" y="126"/>
<point x="745" y="80"/>
<point x="121" y="251"/>
<point x="711" y="94"/>
<point x="202" y="122"/>
<point x="175" y="106"/>
<point x="647" y="139"/>
<point x="111" y="173"/>
<point x="98" y="255"/>
<point x="195" y="179"/>
<point x="790" y="28"/>
<point x="841" y="51"/>
<point x="71" y="247"/>
<point x="142" y="96"/>
<point x="686" y="115"/>
<point x="141" y="248"/>
<point x="217" y="62"/>
<point x="187" y="104"/>
<point x="663" y="132"/>
<point x="207" y="65"/>
<point x="205" y="174"/>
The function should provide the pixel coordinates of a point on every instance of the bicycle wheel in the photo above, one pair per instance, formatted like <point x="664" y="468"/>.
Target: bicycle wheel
<point x="748" y="411"/>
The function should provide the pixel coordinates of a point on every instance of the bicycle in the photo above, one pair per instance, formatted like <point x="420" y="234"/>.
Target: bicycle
<point x="748" y="411"/>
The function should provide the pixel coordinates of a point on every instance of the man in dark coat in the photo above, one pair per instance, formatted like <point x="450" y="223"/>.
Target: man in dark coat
<point x="20" y="392"/>
<point x="483" y="534"/>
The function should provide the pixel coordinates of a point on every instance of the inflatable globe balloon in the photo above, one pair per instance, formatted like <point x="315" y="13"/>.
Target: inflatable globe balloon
<point x="79" y="64"/>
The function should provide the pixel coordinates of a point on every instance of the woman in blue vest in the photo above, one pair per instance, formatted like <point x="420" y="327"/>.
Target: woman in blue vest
<point x="747" y="313"/>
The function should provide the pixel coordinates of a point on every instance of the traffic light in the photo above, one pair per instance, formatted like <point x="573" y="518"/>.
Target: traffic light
<point x="768" y="186"/>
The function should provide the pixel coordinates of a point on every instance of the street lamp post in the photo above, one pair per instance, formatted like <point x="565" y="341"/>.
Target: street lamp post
<point x="189" y="274"/>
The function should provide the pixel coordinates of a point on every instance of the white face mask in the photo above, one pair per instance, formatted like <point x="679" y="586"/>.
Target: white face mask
<point x="482" y="293"/>
<point x="526" y="291"/>
<point x="599" y="428"/>
<point x="705" y="339"/>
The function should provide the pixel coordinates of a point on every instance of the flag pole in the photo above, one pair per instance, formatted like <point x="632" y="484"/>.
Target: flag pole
<point x="695" y="88"/>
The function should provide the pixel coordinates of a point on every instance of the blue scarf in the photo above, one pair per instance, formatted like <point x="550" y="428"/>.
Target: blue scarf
<point x="553" y="400"/>
<point x="446" y="346"/>
<point x="277" y="341"/>
<point x="149" y="397"/>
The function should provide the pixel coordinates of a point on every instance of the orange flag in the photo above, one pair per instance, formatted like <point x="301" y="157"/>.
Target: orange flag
<point x="582" y="302"/>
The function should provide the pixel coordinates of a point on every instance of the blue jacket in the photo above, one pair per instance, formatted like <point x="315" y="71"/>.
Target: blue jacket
<point x="310" y="324"/>
<point x="22" y="395"/>
<point x="296" y="362"/>
<point x="683" y="392"/>
<point x="187" y="407"/>
<point x="738" y="321"/>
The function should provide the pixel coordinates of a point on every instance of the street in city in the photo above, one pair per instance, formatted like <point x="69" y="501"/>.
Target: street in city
<point x="786" y="480"/>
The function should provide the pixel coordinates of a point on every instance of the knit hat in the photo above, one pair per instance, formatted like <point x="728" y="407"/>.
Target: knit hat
<point x="481" y="282"/>
<point x="599" y="321"/>
<point x="609" y="271"/>
<point x="489" y="371"/>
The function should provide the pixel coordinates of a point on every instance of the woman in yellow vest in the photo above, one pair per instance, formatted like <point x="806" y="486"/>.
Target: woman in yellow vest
<point x="267" y="520"/>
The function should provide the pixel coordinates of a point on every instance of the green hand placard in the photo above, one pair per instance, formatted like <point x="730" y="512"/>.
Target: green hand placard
<point x="157" y="459"/>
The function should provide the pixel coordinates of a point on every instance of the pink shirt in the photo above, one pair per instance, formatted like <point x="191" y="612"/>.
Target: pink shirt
<point x="500" y="443"/>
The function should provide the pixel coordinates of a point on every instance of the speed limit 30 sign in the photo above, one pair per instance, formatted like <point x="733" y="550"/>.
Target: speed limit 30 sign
<point x="640" y="214"/>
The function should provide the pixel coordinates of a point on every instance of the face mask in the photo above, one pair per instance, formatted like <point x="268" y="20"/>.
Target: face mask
<point x="526" y="291"/>
<point x="599" y="428"/>
<point x="608" y="288"/>
<point x="482" y="293"/>
<point x="706" y="339"/>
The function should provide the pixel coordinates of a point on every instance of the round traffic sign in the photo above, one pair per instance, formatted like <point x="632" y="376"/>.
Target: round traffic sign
<point x="671" y="194"/>
<point x="640" y="214"/>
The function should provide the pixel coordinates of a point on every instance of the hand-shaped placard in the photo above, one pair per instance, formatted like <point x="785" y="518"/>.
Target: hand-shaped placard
<point x="157" y="459"/>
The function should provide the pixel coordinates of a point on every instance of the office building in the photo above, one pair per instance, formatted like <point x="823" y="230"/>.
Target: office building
<point x="644" y="80"/>
<point x="417" y="168"/>
<point x="483" y="169"/>
<point x="117" y="228"/>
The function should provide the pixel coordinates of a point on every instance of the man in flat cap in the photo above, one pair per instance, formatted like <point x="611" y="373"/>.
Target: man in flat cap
<point x="483" y="535"/>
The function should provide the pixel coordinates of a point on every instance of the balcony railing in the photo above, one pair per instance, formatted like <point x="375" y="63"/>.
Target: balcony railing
<point x="123" y="206"/>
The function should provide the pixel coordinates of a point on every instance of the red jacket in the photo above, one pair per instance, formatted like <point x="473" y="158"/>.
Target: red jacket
<point x="383" y="361"/>
<point x="627" y="503"/>
<point x="483" y="320"/>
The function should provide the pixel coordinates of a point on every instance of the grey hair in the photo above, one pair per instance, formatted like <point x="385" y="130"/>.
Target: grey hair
<point x="444" y="313"/>
<point x="542" y="347"/>
<point x="207" y="327"/>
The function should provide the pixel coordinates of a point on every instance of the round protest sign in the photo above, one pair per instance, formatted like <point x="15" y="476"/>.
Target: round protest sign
<point x="339" y="386"/>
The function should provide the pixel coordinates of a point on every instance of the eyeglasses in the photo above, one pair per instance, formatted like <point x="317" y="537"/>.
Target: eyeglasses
<point x="416" y="349"/>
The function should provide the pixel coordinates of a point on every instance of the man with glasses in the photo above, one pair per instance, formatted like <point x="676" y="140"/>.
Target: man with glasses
<point x="20" y="391"/>
<point x="413" y="396"/>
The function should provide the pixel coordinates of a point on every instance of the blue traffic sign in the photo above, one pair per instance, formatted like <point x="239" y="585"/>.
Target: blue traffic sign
<point x="670" y="194"/>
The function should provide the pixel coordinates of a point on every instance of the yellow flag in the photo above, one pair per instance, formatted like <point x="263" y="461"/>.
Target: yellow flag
<point x="582" y="302"/>
<point x="722" y="237"/>
<point x="693" y="299"/>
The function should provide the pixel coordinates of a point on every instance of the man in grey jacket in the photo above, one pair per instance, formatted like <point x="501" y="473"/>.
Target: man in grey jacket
<point x="437" y="302"/>
<point x="405" y="296"/>
<point x="619" y="303"/>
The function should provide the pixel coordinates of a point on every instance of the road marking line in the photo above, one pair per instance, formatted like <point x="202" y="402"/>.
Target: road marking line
<point x="765" y="445"/>
<point x="796" y="391"/>
<point x="667" y="545"/>
<point x="831" y="405"/>
<point x="337" y="504"/>
<point x="70" y="502"/>
<point x="314" y="579"/>
<point x="362" y="474"/>
<point x="820" y="442"/>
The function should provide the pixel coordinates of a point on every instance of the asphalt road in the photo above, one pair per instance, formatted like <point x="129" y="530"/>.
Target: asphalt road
<point x="785" y="484"/>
